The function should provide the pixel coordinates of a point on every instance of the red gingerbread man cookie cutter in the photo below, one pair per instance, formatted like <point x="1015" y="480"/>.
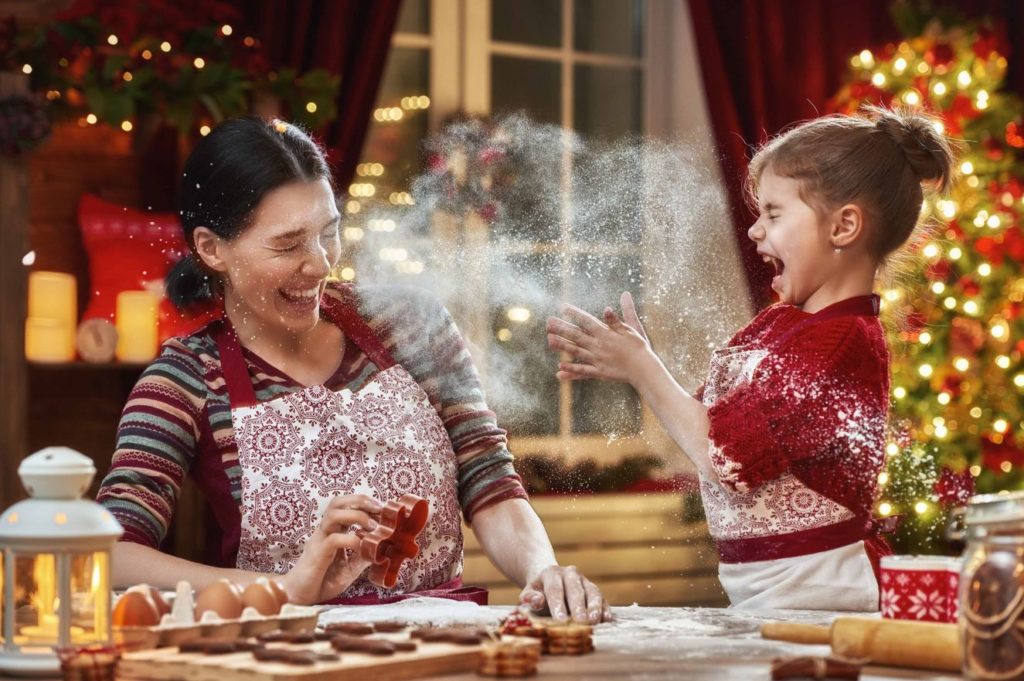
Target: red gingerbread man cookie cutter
<point x="393" y="541"/>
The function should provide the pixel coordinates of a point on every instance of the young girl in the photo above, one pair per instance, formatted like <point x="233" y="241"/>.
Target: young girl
<point x="788" y="431"/>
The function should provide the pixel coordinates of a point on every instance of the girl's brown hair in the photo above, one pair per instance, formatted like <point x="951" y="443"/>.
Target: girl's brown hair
<point x="877" y="161"/>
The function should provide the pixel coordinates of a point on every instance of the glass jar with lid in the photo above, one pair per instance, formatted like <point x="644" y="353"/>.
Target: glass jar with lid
<point x="992" y="588"/>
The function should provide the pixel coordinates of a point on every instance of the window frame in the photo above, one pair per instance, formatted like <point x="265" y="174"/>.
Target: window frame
<point x="459" y="49"/>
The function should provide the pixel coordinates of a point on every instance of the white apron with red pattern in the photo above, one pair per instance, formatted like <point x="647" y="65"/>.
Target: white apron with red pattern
<point x="299" y="451"/>
<point x="821" y="563"/>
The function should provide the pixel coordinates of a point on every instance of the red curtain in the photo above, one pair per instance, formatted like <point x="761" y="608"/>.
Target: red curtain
<point x="350" y="38"/>
<point x="769" y="63"/>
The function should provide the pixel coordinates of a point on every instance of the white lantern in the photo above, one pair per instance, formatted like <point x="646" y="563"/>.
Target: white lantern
<point x="55" y="564"/>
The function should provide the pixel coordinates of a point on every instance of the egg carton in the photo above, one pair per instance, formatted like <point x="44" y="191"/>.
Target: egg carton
<point x="173" y="633"/>
<point x="179" y="624"/>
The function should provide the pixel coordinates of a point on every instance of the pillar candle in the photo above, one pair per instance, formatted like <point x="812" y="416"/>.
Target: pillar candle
<point x="52" y="295"/>
<point x="46" y="340"/>
<point x="136" y="321"/>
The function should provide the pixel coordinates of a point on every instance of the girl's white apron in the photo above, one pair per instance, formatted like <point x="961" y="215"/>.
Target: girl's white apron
<point x="837" y="579"/>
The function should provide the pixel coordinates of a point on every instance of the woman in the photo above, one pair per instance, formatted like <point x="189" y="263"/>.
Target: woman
<point x="310" y="403"/>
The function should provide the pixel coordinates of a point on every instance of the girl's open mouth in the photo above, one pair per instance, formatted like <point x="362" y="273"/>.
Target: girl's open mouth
<point x="777" y="264"/>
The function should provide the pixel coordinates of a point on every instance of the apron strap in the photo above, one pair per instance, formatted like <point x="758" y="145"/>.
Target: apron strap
<point x="232" y="362"/>
<point x="344" y="313"/>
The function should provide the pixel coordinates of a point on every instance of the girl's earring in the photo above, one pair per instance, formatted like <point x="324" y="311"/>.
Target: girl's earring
<point x="838" y="250"/>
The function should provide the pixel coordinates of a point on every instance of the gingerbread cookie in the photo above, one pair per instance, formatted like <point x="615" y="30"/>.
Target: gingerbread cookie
<point x="350" y="628"/>
<point x="297" y="657"/>
<point x="215" y="647"/>
<point x="508" y="659"/>
<point x="458" y="635"/>
<point x="372" y="646"/>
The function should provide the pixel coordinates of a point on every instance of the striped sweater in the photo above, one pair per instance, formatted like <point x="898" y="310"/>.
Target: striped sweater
<point x="177" y="420"/>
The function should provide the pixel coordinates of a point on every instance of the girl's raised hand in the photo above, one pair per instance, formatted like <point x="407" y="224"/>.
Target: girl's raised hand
<point x="608" y="349"/>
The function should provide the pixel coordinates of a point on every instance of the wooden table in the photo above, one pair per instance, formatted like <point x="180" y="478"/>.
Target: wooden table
<point x="716" y="644"/>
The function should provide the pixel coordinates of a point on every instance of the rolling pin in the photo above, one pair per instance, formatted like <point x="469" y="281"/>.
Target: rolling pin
<point x="897" y="643"/>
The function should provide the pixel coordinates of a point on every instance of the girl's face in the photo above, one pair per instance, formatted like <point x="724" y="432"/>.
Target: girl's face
<point x="791" y="237"/>
<point x="275" y="271"/>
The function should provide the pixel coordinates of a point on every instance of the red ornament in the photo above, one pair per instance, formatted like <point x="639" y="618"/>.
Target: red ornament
<point x="990" y="248"/>
<point x="993" y="455"/>
<point x="954" y="489"/>
<point x="966" y="336"/>
<point x="938" y="270"/>
<point x="1014" y="136"/>
<point x="490" y="155"/>
<point x="970" y="287"/>
<point x="488" y="211"/>
<point x="987" y="43"/>
<point x="993" y="149"/>
<point x="951" y="385"/>
<point x="436" y="163"/>
<point x="914" y="322"/>
<point x="939" y="55"/>
<point x="1013" y="244"/>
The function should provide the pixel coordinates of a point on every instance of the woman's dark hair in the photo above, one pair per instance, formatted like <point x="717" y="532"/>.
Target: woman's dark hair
<point x="225" y="178"/>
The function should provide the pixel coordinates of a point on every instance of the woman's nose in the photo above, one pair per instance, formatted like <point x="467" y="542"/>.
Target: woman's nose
<point x="318" y="264"/>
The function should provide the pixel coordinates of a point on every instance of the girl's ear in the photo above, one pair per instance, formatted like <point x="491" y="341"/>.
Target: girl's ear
<point x="209" y="248"/>
<point x="847" y="226"/>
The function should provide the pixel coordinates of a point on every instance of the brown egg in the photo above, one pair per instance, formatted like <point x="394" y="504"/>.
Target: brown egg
<point x="279" y="592"/>
<point x="135" y="609"/>
<point x="260" y="596"/>
<point x="162" y="606"/>
<point x="221" y="597"/>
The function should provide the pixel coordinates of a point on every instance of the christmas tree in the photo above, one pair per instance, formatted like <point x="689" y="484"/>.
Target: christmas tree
<point x="954" y="312"/>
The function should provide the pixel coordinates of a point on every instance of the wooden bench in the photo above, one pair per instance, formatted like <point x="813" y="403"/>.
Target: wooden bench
<point x="636" y="547"/>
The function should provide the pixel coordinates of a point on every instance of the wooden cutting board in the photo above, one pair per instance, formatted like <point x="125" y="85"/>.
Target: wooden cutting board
<point x="429" y="659"/>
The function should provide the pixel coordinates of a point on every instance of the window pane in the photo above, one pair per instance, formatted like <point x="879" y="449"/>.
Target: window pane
<point x="607" y="194"/>
<point x="601" y="407"/>
<point x="414" y="17"/>
<point x="521" y="384"/>
<point x="608" y="101"/>
<point x="609" y="26"/>
<point x="395" y="144"/>
<point x="527" y="85"/>
<point x="537" y="22"/>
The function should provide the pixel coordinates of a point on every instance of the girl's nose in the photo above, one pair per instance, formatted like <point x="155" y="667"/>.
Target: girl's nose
<point x="755" y="232"/>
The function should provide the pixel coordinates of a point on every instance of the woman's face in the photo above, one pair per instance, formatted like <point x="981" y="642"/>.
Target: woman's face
<point x="275" y="271"/>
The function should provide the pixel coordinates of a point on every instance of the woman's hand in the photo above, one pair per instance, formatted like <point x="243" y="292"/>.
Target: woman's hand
<point x="330" y="560"/>
<point x="566" y="593"/>
<point x="610" y="349"/>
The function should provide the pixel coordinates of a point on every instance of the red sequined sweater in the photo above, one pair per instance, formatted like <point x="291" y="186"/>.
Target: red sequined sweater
<point x="816" y="405"/>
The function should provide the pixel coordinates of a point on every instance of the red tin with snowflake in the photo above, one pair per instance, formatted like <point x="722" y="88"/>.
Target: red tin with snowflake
<point x="923" y="588"/>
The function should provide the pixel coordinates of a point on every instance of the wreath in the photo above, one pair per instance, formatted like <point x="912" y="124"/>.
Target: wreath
<point x="24" y="124"/>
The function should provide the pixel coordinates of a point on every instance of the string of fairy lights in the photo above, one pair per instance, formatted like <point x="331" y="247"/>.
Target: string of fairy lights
<point x="366" y="195"/>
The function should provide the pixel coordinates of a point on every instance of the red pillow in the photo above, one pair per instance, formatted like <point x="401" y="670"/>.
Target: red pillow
<point x="130" y="250"/>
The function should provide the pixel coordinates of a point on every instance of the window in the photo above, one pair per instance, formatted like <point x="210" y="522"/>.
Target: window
<point x="579" y="64"/>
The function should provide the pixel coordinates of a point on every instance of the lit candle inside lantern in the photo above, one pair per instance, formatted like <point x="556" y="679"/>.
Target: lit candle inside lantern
<point x="46" y="340"/>
<point x="136" y="326"/>
<point x="52" y="295"/>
